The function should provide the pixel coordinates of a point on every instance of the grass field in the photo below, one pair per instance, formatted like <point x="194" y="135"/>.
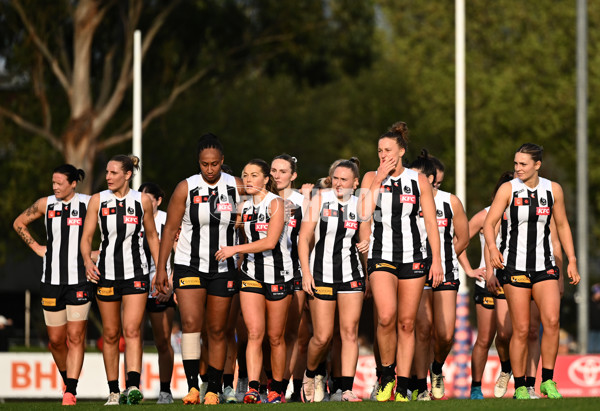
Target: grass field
<point x="567" y="404"/>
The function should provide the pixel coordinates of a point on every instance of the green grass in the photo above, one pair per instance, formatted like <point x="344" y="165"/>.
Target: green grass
<point x="567" y="404"/>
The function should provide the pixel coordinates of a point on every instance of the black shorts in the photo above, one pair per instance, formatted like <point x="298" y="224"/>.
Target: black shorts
<point x="402" y="271"/>
<point x="523" y="279"/>
<point x="272" y="292"/>
<point x="451" y="285"/>
<point x="484" y="297"/>
<point x="57" y="297"/>
<point x="329" y="292"/>
<point x="220" y="285"/>
<point x="155" y="306"/>
<point x="114" y="290"/>
<point x="297" y="280"/>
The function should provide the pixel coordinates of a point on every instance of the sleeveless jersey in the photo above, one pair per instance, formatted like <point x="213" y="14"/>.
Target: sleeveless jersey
<point x="159" y="221"/>
<point x="527" y="245"/>
<point x="397" y="232"/>
<point x="335" y="257"/>
<point x="208" y="224"/>
<point x="481" y="283"/>
<point x="270" y="266"/>
<point x="121" y="220"/>
<point x="445" y="223"/>
<point x="63" y="263"/>
<point x="293" y="227"/>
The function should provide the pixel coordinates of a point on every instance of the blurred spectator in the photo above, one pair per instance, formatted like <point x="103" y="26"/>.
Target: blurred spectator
<point x="5" y="324"/>
<point x="176" y="337"/>
<point x="594" y="331"/>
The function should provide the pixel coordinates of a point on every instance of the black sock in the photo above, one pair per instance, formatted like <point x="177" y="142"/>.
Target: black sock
<point x="133" y="379"/>
<point x="262" y="388"/>
<point x="505" y="366"/>
<point x="388" y="372"/>
<point x="228" y="380"/>
<point x="336" y="383"/>
<point x="215" y="378"/>
<point x="322" y="368"/>
<point x="269" y="374"/>
<point x="72" y="385"/>
<point x="530" y="381"/>
<point x="422" y="384"/>
<point x="475" y="384"/>
<point x="242" y="372"/>
<point x="277" y="386"/>
<point x="436" y="367"/>
<point x="547" y="374"/>
<point x="191" y="368"/>
<point x="297" y="386"/>
<point x="346" y="383"/>
<point x="63" y="374"/>
<point x="311" y="373"/>
<point x="412" y="383"/>
<point x="402" y="385"/>
<point x="378" y="373"/>
<point x="113" y="386"/>
<point x="204" y="377"/>
<point x="285" y="384"/>
<point x="519" y="382"/>
<point x="165" y="386"/>
<point x="254" y="385"/>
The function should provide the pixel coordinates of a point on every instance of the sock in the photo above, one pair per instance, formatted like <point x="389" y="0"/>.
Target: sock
<point x="336" y="384"/>
<point x="285" y="384"/>
<point x="113" y="386"/>
<point x="378" y="373"/>
<point x="388" y="372"/>
<point x="322" y="368"/>
<point x="277" y="386"/>
<point x="519" y="382"/>
<point x="133" y="379"/>
<point x="72" y="385"/>
<point x="165" y="386"/>
<point x="311" y="373"/>
<point x="346" y="383"/>
<point x="412" y="383"/>
<point x="475" y="384"/>
<point x="402" y="385"/>
<point x="547" y="374"/>
<point x="228" y="380"/>
<point x="204" y="377"/>
<point x="191" y="368"/>
<point x="530" y="381"/>
<point x="269" y="374"/>
<point x="297" y="386"/>
<point x="505" y="365"/>
<point x="254" y="385"/>
<point x="263" y="388"/>
<point x="63" y="374"/>
<point x="436" y="367"/>
<point x="422" y="384"/>
<point x="214" y="379"/>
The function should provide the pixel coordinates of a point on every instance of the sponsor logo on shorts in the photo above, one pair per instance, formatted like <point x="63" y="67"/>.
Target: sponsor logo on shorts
<point x="384" y="265"/>
<point x="230" y="284"/>
<point x="251" y="284"/>
<point x="74" y="221"/>
<point x="520" y="279"/>
<point x="552" y="271"/>
<point x="106" y="291"/>
<point x="352" y="225"/>
<point x="442" y="222"/>
<point x="521" y="202"/>
<point x="276" y="288"/>
<point x="488" y="301"/>
<point x="187" y="281"/>
<point x="262" y="226"/>
<point x="139" y="284"/>
<point x="224" y="207"/>
<point x="324" y="290"/>
<point x="130" y="219"/>
<point x="49" y="302"/>
<point x="292" y="222"/>
<point x="418" y="266"/>
<point x="355" y="284"/>
<point x="408" y="199"/>
<point x="542" y="211"/>
<point x="500" y="290"/>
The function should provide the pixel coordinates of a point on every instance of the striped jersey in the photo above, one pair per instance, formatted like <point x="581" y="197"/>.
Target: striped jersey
<point x="445" y="223"/>
<point x="269" y="266"/>
<point x="481" y="283"/>
<point x="121" y="220"/>
<point x="208" y="224"/>
<point x="527" y="246"/>
<point x="293" y="227"/>
<point x="397" y="233"/>
<point x="63" y="263"/>
<point x="335" y="258"/>
<point x="159" y="221"/>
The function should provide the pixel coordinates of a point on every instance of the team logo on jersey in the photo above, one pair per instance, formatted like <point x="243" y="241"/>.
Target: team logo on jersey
<point x="442" y="222"/>
<point x="74" y="221"/>
<point x="385" y="189"/>
<point x="292" y="222"/>
<point x="130" y="219"/>
<point x="324" y="290"/>
<point x="188" y="281"/>
<point x="542" y="211"/>
<point x="262" y="226"/>
<point x="130" y="210"/>
<point x="408" y="199"/>
<point x="251" y="284"/>
<point x="223" y="198"/>
<point x="224" y="207"/>
<point x="328" y="212"/>
<point x="521" y="201"/>
<point x="49" y="302"/>
<point x="407" y="189"/>
<point x="439" y="213"/>
<point x="352" y="215"/>
<point x="352" y="225"/>
<point x="107" y="211"/>
<point x="106" y="291"/>
<point x="520" y="279"/>
<point x="74" y="213"/>
<point x="543" y="201"/>
<point x="261" y="217"/>
<point x="120" y="203"/>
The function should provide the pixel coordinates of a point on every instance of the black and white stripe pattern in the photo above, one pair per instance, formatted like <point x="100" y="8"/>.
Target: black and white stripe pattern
<point x="293" y="227"/>
<point x="208" y="224"/>
<point x="63" y="264"/>
<point x="397" y="232"/>
<point x="481" y="283"/>
<point x="122" y="254"/>
<point x="445" y="222"/>
<point x="159" y="221"/>
<point x="270" y="266"/>
<point x="527" y="246"/>
<point x="335" y="257"/>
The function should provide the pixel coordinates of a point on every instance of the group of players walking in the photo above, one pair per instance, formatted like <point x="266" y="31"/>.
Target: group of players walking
<point x="275" y="277"/>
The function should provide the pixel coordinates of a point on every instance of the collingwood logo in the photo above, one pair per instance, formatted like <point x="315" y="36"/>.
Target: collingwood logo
<point x="351" y="215"/>
<point x="130" y="210"/>
<point x="407" y="189"/>
<point x="543" y="201"/>
<point x="74" y="213"/>
<point x="223" y="198"/>
<point x="439" y="213"/>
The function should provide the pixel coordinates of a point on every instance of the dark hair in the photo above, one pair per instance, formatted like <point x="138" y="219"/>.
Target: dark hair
<point x="504" y="178"/>
<point x="399" y="132"/>
<point x="226" y="169"/>
<point x="533" y="150"/>
<point x="266" y="170"/>
<point x="72" y="173"/>
<point x="292" y="160"/>
<point x="128" y="163"/>
<point x="154" y="189"/>
<point x="353" y="164"/>
<point x="208" y="140"/>
<point x="439" y="166"/>
<point x="424" y="163"/>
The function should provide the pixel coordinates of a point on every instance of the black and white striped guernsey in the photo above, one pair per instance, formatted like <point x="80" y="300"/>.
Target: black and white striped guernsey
<point x="481" y="283"/>
<point x="270" y="266"/>
<point x="335" y="258"/>
<point x="397" y="233"/>
<point x="527" y="245"/>
<point x="208" y="224"/>
<point x="159" y="221"/>
<point x="63" y="263"/>
<point x="445" y="222"/>
<point x="122" y="254"/>
<point x="293" y="227"/>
